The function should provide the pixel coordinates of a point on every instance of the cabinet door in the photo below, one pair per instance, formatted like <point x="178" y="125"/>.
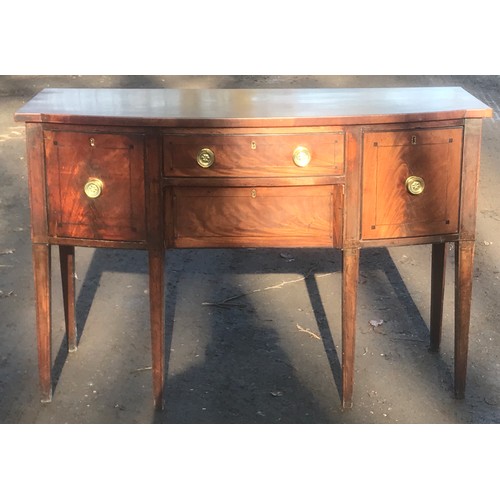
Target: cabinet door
<point x="95" y="185"/>
<point x="411" y="183"/>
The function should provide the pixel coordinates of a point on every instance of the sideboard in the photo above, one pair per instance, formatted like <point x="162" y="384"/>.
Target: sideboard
<point x="156" y="169"/>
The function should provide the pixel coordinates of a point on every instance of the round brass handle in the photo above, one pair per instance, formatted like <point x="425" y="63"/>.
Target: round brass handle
<point x="415" y="185"/>
<point x="301" y="156"/>
<point x="205" y="158"/>
<point x="93" y="188"/>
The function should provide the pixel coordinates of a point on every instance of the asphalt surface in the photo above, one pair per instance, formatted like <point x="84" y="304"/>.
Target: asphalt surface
<point x="272" y="356"/>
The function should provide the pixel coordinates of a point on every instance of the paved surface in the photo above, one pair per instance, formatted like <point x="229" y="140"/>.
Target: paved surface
<point x="254" y="361"/>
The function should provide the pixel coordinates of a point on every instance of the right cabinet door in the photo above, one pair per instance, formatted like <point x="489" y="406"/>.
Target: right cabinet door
<point x="411" y="182"/>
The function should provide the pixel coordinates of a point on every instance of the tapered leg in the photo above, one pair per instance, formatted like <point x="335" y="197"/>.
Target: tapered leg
<point x="437" y="293"/>
<point x="67" y="261"/>
<point x="157" y="311"/>
<point x="464" y="262"/>
<point x="350" y="275"/>
<point x="41" y="271"/>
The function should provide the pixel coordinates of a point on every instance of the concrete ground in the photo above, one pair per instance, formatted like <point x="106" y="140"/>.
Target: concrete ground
<point x="272" y="356"/>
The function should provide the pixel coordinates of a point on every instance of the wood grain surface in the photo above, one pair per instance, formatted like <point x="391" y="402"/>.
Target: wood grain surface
<point x="117" y="160"/>
<point x="254" y="155"/>
<point x="389" y="210"/>
<point x="308" y="216"/>
<point x="250" y="107"/>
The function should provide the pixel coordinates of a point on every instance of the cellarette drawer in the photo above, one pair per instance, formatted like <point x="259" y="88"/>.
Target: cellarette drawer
<point x="300" y="216"/>
<point x="95" y="185"/>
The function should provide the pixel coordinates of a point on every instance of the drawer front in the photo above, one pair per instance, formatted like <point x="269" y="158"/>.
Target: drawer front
<point x="255" y="155"/>
<point x="255" y="217"/>
<point x="411" y="183"/>
<point x="95" y="185"/>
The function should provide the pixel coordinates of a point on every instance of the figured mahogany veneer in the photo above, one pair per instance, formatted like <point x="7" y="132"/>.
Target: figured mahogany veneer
<point x="120" y="168"/>
<point x="72" y="158"/>
<point x="389" y="209"/>
<point x="251" y="155"/>
<point x="291" y="216"/>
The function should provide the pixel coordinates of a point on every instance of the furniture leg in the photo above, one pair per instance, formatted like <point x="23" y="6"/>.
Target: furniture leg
<point x="157" y="312"/>
<point x="67" y="261"/>
<point x="464" y="261"/>
<point x="350" y="274"/>
<point x="437" y="293"/>
<point x="42" y="271"/>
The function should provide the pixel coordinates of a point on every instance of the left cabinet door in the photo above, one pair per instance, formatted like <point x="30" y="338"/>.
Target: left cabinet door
<point x="95" y="185"/>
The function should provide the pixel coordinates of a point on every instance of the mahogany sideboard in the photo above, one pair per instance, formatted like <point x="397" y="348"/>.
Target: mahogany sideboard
<point x="155" y="169"/>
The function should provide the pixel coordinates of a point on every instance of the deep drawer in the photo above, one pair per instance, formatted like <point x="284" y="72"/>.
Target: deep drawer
<point x="305" y="216"/>
<point x="95" y="185"/>
<point x="256" y="155"/>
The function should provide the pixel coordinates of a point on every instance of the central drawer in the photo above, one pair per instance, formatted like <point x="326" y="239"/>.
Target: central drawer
<point x="254" y="155"/>
<point x="283" y="216"/>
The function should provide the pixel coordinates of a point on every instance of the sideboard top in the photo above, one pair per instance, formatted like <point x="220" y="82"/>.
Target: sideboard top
<point x="250" y="107"/>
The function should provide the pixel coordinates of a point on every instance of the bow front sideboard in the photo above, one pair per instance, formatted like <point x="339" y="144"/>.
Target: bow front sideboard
<point x="156" y="169"/>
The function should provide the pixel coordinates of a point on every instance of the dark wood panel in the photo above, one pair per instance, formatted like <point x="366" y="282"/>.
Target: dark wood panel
<point x="72" y="159"/>
<point x="352" y="208"/>
<point x="254" y="217"/>
<point x="37" y="181"/>
<point x="470" y="178"/>
<point x="254" y="155"/>
<point x="154" y="191"/>
<point x="390" y="158"/>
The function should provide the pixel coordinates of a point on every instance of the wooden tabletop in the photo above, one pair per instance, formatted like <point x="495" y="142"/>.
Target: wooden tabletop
<point x="250" y="107"/>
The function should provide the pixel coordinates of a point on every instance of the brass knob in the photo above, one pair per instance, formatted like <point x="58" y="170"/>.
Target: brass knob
<point x="415" y="185"/>
<point x="205" y="158"/>
<point x="93" y="188"/>
<point x="301" y="156"/>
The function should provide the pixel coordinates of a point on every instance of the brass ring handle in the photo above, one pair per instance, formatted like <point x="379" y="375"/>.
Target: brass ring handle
<point x="93" y="188"/>
<point x="301" y="156"/>
<point x="205" y="158"/>
<point x="415" y="185"/>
